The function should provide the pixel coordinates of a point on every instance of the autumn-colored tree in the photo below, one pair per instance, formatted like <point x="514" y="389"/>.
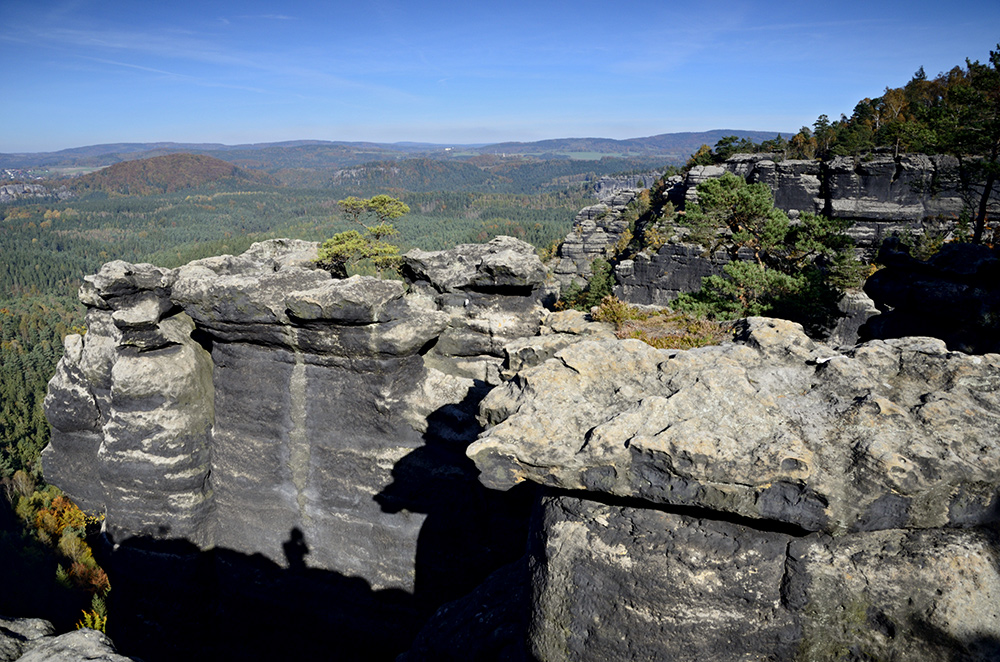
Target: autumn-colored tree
<point x="802" y="145"/>
<point x="701" y="157"/>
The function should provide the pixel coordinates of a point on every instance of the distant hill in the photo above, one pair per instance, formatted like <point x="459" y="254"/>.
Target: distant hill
<point x="164" y="174"/>
<point x="675" y="146"/>
<point x="668" y="148"/>
<point x="480" y="174"/>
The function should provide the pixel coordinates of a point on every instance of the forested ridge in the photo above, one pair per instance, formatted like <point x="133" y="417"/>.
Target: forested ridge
<point x="318" y="154"/>
<point x="163" y="174"/>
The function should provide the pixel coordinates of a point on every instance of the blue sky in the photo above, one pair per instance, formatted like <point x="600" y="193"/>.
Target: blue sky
<point x="80" y="72"/>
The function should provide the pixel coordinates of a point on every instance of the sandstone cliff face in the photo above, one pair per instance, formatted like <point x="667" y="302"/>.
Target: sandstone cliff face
<point x="607" y="187"/>
<point x="253" y="406"/>
<point x="595" y="231"/>
<point x="882" y="195"/>
<point x="771" y="498"/>
<point x="657" y="278"/>
<point x="954" y="295"/>
<point x="877" y="188"/>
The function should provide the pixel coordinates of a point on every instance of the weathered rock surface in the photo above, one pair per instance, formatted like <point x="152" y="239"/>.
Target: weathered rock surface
<point x="898" y="433"/>
<point x="883" y="196"/>
<point x="73" y="647"/>
<point x="879" y="188"/>
<point x="253" y="405"/>
<point x="34" y="640"/>
<point x="608" y="186"/>
<point x="624" y="582"/>
<point x="254" y="428"/>
<point x="658" y="278"/>
<point x="772" y="498"/>
<point x="596" y="229"/>
<point x="796" y="185"/>
<point x="491" y="623"/>
<point x="19" y="635"/>
<point x="954" y="295"/>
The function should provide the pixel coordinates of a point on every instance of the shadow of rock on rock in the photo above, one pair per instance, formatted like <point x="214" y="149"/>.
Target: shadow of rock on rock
<point x="470" y="531"/>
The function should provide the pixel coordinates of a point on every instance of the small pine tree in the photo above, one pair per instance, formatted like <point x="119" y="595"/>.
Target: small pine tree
<point x="351" y="246"/>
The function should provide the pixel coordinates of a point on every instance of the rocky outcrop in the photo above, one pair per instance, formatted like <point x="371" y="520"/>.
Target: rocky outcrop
<point x="657" y="278"/>
<point x="596" y="230"/>
<point x="19" y="635"/>
<point x="909" y="187"/>
<point x="954" y="295"/>
<point x="284" y="456"/>
<point x="797" y="185"/>
<point x="34" y="640"/>
<point x="608" y="186"/>
<point x="882" y="194"/>
<point x="770" y="498"/>
<point x="13" y="192"/>
<point x="253" y="408"/>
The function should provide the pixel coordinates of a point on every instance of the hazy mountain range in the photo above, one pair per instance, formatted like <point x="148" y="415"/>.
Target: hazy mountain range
<point x="668" y="148"/>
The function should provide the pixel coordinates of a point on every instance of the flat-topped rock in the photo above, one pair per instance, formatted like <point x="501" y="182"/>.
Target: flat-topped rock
<point x="891" y="434"/>
<point x="502" y="264"/>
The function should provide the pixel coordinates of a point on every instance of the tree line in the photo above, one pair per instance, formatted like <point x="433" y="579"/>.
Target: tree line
<point x="956" y="112"/>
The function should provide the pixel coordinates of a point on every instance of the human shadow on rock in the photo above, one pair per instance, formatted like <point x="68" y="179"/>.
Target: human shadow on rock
<point x="171" y="601"/>
<point x="470" y="531"/>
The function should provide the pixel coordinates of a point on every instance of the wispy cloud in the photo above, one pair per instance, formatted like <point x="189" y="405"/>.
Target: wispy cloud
<point x="185" y="47"/>
<point x="270" y="17"/>
<point x="196" y="80"/>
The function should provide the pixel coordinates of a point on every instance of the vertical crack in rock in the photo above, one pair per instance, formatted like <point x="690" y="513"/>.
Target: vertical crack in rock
<point x="298" y="437"/>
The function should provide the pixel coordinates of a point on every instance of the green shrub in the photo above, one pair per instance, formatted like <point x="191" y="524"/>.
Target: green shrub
<point x="349" y="247"/>
<point x="600" y="285"/>
<point x="798" y="271"/>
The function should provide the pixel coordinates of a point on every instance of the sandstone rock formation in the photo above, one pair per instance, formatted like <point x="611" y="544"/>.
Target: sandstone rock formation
<point x="883" y="195"/>
<point x="255" y="408"/>
<point x="954" y="295"/>
<point x="16" y="191"/>
<point x="657" y="278"/>
<point x="608" y="186"/>
<point x="771" y="498"/>
<point x="595" y="231"/>
<point x="283" y="456"/>
<point x="34" y="640"/>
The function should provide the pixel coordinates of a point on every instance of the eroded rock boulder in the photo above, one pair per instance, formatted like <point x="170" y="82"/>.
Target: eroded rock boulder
<point x="774" y="427"/>
<point x="34" y="640"/>
<point x="770" y="498"/>
<point x="19" y="635"/>
<point x="73" y="647"/>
